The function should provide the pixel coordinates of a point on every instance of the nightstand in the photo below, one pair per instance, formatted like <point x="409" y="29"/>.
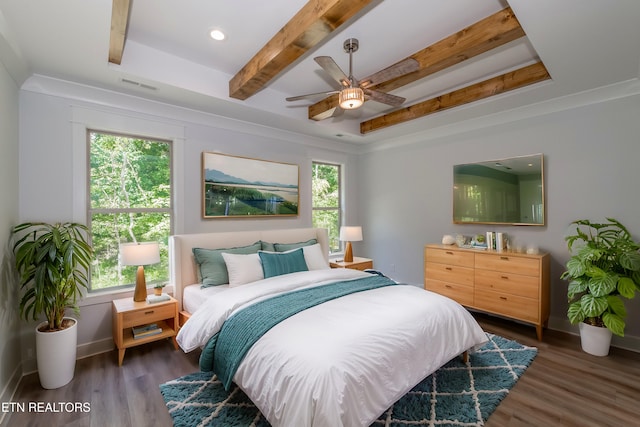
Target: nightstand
<point x="128" y="313"/>
<point x="357" y="264"/>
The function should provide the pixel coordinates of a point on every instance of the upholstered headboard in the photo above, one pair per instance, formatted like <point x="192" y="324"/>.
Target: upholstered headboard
<point x="182" y="266"/>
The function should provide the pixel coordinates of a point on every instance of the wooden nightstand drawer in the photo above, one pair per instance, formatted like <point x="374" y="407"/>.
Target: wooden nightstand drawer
<point x="451" y="257"/>
<point x="148" y="315"/>
<point x="449" y="273"/>
<point x="509" y="263"/>
<point x="510" y="283"/>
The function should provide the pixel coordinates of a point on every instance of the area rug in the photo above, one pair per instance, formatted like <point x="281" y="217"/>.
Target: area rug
<point x="458" y="394"/>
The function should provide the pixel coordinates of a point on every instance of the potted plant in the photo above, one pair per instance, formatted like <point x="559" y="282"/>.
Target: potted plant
<point x="52" y="261"/>
<point x="603" y="269"/>
<point x="157" y="288"/>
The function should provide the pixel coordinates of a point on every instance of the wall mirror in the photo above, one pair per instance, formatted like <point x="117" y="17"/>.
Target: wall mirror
<point x="504" y="191"/>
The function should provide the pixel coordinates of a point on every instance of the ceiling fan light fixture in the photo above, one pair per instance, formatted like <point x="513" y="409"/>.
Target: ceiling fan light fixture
<point x="351" y="98"/>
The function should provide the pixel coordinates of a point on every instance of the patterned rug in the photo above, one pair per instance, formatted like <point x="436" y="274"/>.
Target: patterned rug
<point x="458" y="394"/>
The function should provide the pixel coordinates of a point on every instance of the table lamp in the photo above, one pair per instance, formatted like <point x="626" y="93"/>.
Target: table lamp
<point x="350" y="234"/>
<point x="140" y="254"/>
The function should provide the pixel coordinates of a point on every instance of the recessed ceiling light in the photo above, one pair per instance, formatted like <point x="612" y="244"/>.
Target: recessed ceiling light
<point x="217" y="35"/>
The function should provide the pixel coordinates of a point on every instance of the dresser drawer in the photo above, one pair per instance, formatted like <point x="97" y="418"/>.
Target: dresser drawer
<point x="452" y="257"/>
<point x="504" y="304"/>
<point x="449" y="273"/>
<point x="509" y="283"/>
<point x="148" y="315"/>
<point x="508" y="263"/>
<point x="460" y="293"/>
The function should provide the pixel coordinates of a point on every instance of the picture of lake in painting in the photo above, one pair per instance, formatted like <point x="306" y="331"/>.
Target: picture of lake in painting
<point x="243" y="187"/>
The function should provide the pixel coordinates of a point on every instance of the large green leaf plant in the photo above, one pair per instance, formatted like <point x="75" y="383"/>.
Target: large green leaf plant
<point x="52" y="261"/>
<point x="603" y="269"/>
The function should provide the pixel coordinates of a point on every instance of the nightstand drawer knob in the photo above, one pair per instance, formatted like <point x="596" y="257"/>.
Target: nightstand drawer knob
<point x="149" y="312"/>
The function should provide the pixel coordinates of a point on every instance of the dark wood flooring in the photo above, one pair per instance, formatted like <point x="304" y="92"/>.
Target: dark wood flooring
<point x="563" y="387"/>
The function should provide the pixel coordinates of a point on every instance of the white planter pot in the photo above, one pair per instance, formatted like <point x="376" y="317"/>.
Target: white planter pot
<point x="56" y="355"/>
<point x="595" y="340"/>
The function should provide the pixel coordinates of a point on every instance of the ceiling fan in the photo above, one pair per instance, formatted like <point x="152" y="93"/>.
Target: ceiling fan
<point x="354" y="93"/>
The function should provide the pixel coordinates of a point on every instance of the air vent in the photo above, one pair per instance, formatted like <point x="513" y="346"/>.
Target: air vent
<point x="135" y="83"/>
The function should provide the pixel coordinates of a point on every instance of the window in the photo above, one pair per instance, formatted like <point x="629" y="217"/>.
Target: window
<point x="129" y="201"/>
<point x="326" y="210"/>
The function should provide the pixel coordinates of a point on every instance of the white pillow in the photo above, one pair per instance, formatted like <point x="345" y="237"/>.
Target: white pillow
<point x="243" y="268"/>
<point x="314" y="258"/>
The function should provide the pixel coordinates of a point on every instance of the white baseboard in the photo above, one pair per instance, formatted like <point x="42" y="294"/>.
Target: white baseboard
<point x="10" y="389"/>
<point x="29" y="366"/>
<point x="626" y="343"/>
<point x="96" y="347"/>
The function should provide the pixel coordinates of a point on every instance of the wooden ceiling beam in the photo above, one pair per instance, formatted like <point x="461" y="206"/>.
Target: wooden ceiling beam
<point x="316" y="20"/>
<point x="506" y="82"/>
<point x="491" y="32"/>
<point x="119" y="19"/>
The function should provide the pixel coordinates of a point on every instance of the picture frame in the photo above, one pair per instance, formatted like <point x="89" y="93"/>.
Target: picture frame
<point x="243" y="187"/>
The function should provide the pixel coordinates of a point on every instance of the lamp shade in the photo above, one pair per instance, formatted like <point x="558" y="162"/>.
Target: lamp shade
<point x="351" y="98"/>
<point x="143" y="253"/>
<point x="351" y="234"/>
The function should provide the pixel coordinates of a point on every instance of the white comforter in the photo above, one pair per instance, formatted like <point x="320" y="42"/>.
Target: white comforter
<point x="344" y="362"/>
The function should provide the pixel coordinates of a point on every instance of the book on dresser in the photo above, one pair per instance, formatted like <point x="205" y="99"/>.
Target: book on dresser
<point x="145" y="330"/>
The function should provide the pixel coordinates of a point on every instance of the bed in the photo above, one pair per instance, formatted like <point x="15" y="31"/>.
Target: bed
<point x="357" y="343"/>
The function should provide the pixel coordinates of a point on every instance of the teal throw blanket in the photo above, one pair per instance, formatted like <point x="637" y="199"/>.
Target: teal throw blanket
<point x="225" y="350"/>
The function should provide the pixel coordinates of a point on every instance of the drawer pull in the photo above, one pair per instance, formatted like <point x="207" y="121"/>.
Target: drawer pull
<point x="503" y="298"/>
<point x="447" y="286"/>
<point x="448" y="268"/>
<point x="148" y="312"/>
<point x="504" y="258"/>
<point x="504" y="277"/>
<point x="449" y="253"/>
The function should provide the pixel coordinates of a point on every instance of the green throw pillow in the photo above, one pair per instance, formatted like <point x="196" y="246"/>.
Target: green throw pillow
<point x="276" y="264"/>
<point x="212" y="267"/>
<point x="283" y="247"/>
<point x="267" y="246"/>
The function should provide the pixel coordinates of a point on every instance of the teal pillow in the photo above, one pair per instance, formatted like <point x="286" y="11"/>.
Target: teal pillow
<point x="211" y="265"/>
<point x="276" y="264"/>
<point x="283" y="247"/>
<point x="267" y="246"/>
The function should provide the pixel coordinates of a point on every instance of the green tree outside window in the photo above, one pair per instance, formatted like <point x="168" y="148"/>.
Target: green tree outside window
<point x="326" y="196"/>
<point x="130" y="201"/>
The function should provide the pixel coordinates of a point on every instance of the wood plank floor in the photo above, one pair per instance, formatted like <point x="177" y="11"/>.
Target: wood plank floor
<point x="563" y="387"/>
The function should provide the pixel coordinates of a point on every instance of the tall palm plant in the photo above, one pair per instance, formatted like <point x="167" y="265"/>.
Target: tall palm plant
<point x="53" y="261"/>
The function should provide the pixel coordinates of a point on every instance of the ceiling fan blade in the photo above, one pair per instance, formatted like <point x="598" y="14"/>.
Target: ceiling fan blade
<point x="311" y="95"/>
<point x="385" y="98"/>
<point x="406" y="66"/>
<point x="329" y="65"/>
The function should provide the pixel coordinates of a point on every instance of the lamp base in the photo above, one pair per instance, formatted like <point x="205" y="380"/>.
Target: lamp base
<point x="140" y="294"/>
<point x="348" y="253"/>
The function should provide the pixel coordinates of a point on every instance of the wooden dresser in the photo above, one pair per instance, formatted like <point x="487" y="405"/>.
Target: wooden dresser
<point x="508" y="284"/>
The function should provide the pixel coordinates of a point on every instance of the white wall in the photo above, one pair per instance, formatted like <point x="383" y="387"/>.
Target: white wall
<point x="53" y="170"/>
<point x="401" y="195"/>
<point x="591" y="172"/>
<point x="10" y="368"/>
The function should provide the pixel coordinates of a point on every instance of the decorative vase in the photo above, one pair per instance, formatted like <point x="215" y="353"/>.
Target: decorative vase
<point x="56" y="355"/>
<point x="595" y="340"/>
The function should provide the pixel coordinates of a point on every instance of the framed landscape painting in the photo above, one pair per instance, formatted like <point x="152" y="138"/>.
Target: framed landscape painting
<point x="235" y="186"/>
